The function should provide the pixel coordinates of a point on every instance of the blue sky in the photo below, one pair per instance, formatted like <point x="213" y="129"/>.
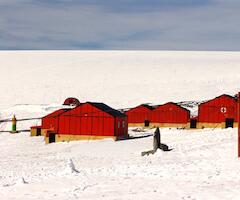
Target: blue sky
<point x="120" y="24"/>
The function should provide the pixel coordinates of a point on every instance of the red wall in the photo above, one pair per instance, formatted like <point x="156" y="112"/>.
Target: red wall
<point x="88" y="120"/>
<point x="51" y="120"/>
<point x="138" y="114"/>
<point x="170" y="113"/>
<point x="210" y="112"/>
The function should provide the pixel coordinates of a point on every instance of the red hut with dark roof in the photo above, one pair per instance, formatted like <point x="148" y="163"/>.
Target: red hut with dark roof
<point x="139" y="116"/>
<point x="220" y="112"/>
<point x="170" y="115"/>
<point x="89" y="121"/>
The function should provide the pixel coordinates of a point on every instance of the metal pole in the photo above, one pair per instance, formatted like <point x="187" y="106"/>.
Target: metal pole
<point x="238" y="114"/>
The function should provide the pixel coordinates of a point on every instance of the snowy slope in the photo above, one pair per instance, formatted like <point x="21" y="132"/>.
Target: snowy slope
<point x="121" y="79"/>
<point x="192" y="106"/>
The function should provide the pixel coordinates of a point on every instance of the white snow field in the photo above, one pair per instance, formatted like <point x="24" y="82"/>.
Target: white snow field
<point x="121" y="79"/>
<point x="202" y="165"/>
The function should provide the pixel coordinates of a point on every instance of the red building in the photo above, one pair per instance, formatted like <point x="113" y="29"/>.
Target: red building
<point x="219" y="112"/>
<point x="89" y="121"/>
<point x="139" y="116"/>
<point x="170" y="115"/>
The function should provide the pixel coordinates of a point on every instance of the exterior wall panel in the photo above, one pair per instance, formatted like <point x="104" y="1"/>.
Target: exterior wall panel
<point x="170" y="113"/>
<point x="88" y="120"/>
<point x="138" y="115"/>
<point x="52" y="120"/>
<point x="218" y="109"/>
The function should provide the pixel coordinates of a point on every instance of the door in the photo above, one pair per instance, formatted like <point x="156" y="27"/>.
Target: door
<point x="229" y="123"/>
<point x="193" y="123"/>
<point x="38" y="131"/>
<point x="51" y="137"/>
<point x="146" y="123"/>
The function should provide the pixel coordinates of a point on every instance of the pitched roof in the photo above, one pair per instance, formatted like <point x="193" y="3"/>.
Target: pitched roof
<point x="147" y="106"/>
<point x="175" y="105"/>
<point x="57" y="112"/>
<point x="107" y="109"/>
<point x="223" y="95"/>
<point x="143" y="105"/>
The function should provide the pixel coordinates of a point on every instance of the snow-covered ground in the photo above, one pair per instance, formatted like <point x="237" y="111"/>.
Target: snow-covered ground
<point x="202" y="165"/>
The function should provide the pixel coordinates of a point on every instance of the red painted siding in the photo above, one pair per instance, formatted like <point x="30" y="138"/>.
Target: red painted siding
<point x="89" y="120"/>
<point x="170" y="113"/>
<point x="218" y="109"/>
<point x="51" y="120"/>
<point x="138" y="114"/>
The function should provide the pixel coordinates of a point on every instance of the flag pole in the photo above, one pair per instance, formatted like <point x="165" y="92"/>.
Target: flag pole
<point x="238" y="114"/>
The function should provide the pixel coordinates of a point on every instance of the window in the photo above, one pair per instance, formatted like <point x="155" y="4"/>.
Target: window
<point x="118" y="124"/>
<point x="123" y="124"/>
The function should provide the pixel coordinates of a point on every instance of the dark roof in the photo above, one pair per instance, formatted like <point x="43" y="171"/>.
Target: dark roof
<point x="147" y="106"/>
<point x="144" y="105"/>
<point x="105" y="108"/>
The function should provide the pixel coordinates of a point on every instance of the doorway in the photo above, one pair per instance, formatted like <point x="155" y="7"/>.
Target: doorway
<point x="229" y="123"/>
<point x="51" y="137"/>
<point x="38" y="132"/>
<point x="193" y="123"/>
<point x="146" y="123"/>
